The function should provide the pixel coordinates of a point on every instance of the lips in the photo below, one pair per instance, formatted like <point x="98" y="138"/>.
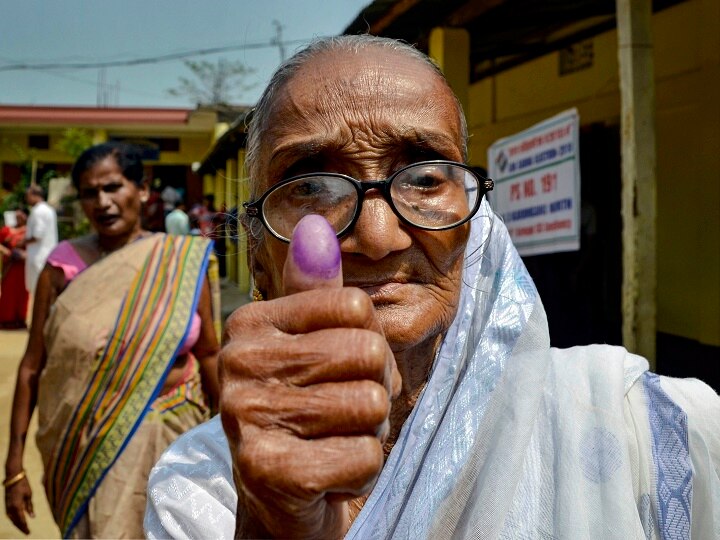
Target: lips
<point x="382" y="289"/>
<point x="106" y="220"/>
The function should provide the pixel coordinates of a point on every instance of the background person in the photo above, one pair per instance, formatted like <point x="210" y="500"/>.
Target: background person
<point x="13" y="294"/>
<point x="170" y="197"/>
<point x="177" y="221"/>
<point x="154" y="210"/>
<point x="41" y="235"/>
<point x="121" y="356"/>
<point x="490" y="433"/>
<point x="205" y="214"/>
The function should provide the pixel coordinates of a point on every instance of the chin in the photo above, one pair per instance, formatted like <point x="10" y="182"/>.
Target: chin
<point x="116" y="229"/>
<point x="407" y="327"/>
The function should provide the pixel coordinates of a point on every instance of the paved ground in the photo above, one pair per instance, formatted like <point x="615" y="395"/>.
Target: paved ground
<point x="12" y="346"/>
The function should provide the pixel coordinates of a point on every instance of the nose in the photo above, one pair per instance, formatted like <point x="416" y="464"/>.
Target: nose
<point x="377" y="232"/>
<point x="103" y="200"/>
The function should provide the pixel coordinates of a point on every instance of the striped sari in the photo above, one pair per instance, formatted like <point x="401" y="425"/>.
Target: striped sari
<point x="111" y="338"/>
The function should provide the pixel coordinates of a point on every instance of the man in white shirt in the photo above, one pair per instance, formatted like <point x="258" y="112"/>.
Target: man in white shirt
<point x="177" y="221"/>
<point x="40" y="237"/>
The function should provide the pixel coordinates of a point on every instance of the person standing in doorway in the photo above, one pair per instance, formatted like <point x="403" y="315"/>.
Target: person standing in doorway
<point x="41" y="235"/>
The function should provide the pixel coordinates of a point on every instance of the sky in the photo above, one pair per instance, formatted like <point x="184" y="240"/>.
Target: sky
<point x="57" y="32"/>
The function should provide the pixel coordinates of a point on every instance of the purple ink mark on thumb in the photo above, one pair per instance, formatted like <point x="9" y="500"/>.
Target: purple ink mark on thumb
<point x="315" y="248"/>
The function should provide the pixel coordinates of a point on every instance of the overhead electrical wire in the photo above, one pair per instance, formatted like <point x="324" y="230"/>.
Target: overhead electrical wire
<point x="143" y="60"/>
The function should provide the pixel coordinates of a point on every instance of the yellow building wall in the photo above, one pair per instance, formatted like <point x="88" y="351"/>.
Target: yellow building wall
<point x="687" y="68"/>
<point x="219" y="189"/>
<point x="14" y="147"/>
<point x="231" y="169"/>
<point x="230" y="187"/>
<point x="243" y="194"/>
<point x="208" y="185"/>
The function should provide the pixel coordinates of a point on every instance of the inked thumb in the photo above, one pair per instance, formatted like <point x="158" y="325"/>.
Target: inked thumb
<point x="313" y="260"/>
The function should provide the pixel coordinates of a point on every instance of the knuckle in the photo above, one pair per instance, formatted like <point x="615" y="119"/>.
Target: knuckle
<point x="262" y="462"/>
<point x="370" y="457"/>
<point x="357" y="306"/>
<point x="244" y="320"/>
<point x="377" y="402"/>
<point x="242" y="401"/>
<point x="239" y="358"/>
<point x="235" y="324"/>
<point x="377" y="349"/>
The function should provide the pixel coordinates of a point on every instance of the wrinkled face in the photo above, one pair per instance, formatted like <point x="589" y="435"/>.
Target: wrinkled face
<point x="366" y="116"/>
<point x="111" y="202"/>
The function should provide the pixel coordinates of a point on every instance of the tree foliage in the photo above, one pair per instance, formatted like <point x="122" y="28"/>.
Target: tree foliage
<point x="214" y="84"/>
<point x="75" y="141"/>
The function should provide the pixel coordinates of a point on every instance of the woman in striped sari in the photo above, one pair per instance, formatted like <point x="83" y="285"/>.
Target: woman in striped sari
<point x="121" y="357"/>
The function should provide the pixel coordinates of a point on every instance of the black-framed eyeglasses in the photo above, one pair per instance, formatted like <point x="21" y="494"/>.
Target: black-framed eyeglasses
<point x="430" y="195"/>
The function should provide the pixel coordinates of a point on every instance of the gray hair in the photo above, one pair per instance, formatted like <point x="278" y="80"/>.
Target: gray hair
<point x="352" y="44"/>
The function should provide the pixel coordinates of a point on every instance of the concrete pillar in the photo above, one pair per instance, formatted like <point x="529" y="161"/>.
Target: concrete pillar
<point x="450" y="48"/>
<point x="208" y="184"/>
<point x="637" y="94"/>
<point x="219" y="190"/>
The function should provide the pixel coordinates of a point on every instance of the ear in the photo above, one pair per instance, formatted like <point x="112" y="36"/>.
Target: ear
<point x="144" y="191"/>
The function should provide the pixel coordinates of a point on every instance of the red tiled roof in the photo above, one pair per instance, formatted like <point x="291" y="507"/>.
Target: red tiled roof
<point x="24" y="114"/>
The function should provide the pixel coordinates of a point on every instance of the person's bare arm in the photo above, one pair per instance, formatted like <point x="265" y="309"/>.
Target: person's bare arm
<point x="207" y="348"/>
<point x="18" y="498"/>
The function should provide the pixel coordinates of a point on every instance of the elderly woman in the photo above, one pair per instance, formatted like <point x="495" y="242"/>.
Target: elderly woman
<point x="123" y="342"/>
<point x="414" y="392"/>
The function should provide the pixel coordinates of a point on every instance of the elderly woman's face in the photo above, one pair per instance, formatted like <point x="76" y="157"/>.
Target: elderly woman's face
<point x="367" y="116"/>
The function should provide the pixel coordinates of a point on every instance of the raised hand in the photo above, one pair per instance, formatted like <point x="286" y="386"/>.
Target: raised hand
<point x="307" y="381"/>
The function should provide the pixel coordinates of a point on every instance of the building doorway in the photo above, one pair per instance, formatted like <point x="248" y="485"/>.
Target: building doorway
<point x="581" y="290"/>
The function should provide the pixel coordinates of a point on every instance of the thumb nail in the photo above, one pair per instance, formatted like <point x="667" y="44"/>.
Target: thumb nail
<point x="313" y="259"/>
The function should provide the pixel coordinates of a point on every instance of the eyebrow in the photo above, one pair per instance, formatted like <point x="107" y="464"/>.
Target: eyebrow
<point x="409" y="138"/>
<point x="436" y="141"/>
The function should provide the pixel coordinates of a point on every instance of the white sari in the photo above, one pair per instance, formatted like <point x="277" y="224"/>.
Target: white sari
<point x="510" y="438"/>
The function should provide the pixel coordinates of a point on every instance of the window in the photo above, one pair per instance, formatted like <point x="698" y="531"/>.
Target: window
<point x="39" y="142"/>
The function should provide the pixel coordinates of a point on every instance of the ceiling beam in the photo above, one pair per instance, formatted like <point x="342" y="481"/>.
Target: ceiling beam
<point x="470" y="11"/>
<point x="397" y="10"/>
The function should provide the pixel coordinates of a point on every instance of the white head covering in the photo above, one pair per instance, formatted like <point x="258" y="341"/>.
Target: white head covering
<point x="497" y="300"/>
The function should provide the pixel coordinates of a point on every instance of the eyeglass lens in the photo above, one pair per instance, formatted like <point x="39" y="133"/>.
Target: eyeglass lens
<point x="426" y="195"/>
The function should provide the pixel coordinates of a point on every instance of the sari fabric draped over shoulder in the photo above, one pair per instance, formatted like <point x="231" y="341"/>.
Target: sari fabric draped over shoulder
<point x="111" y="338"/>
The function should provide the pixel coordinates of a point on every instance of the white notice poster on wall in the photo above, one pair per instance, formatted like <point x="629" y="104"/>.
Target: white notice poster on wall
<point x="537" y="185"/>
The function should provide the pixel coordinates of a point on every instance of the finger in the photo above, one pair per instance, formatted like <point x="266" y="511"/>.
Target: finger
<point x="332" y="355"/>
<point x="321" y="410"/>
<point x="307" y="469"/>
<point x="304" y="312"/>
<point x="313" y="260"/>
<point x="29" y="505"/>
<point x="17" y="516"/>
